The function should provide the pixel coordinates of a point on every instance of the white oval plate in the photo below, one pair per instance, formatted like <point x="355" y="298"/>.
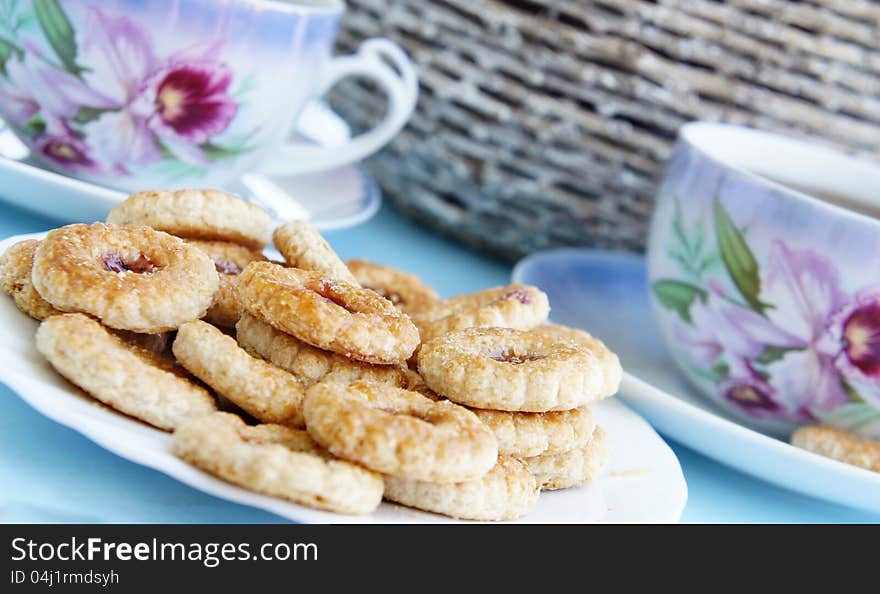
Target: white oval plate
<point x="607" y="293"/>
<point x="333" y="199"/>
<point x="644" y="482"/>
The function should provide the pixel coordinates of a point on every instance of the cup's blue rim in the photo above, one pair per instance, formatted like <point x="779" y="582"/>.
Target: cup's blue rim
<point x="758" y="179"/>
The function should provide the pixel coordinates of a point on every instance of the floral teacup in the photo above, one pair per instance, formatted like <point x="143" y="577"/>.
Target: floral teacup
<point x="139" y="94"/>
<point x="764" y="265"/>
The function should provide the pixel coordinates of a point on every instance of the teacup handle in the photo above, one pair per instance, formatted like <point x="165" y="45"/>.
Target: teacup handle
<point x="401" y="89"/>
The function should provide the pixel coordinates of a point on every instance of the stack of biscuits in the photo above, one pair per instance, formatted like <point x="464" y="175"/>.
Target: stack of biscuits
<point x="532" y="390"/>
<point x="328" y="383"/>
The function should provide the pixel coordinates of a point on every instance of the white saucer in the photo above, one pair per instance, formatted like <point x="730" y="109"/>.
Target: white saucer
<point x="606" y="293"/>
<point x="643" y="482"/>
<point x="332" y="199"/>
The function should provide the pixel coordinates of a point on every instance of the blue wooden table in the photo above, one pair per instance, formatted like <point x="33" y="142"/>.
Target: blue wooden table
<point x="49" y="473"/>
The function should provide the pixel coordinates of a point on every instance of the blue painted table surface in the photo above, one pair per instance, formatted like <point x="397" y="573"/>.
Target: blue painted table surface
<point x="49" y="473"/>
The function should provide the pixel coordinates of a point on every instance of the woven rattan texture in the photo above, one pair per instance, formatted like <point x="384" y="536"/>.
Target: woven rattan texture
<point x="547" y="122"/>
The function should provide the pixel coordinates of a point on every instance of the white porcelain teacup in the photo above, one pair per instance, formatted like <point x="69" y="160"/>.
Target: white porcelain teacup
<point x="764" y="264"/>
<point x="172" y="93"/>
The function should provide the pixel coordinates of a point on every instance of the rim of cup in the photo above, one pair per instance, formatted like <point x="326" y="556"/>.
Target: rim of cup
<point x="776" y="160"/>
<point x="307" y="6"/>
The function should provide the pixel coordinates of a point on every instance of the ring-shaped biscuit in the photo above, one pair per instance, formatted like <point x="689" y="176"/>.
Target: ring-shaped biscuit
<point x="197" y="214"/>
<point x="508" y="491"/>
<point x="513" y="370"/>
<point x="572" y="468"/>
<point x="310" y="364"/>
<point x="524" y="434"/>
<point x="229" y="261"/>
<point x="514" y="306"/>
<point x="267" y="393"/>
<point x="303" y="247"/>
<point x="16" y="265"/>
<point x="131" y="278"/>
<point x="398" y="432"/>
<point x="328" y="314"/>
<point x="277" y="461"/>
<point x="127" y="378"/>
<point x="406" y="291"/>
<point x="608" y="361"/>
<point x="839" y="445"/>
<point x="561" y="332"/>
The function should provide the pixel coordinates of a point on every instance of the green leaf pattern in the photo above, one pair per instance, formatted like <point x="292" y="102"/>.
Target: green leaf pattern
<point x="59" y="33"/>
<point x="678" y="296"/>
<point x="696" y="257"/>
<point x="735" y="352"/>
<point x="738" y="259"/>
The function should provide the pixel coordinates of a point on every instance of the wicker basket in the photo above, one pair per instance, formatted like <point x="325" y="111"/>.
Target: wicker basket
<point x="547" y="122"/>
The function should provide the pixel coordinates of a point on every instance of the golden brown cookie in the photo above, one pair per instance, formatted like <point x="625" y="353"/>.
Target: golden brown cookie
<point x="277" y="461"/>
<point x="303" y="247"/>
<point x="839" y="445"/>
<point x="574" y="467"/>
<point x="229" y="261"/>
<point x="131" y="278"/>
<point x="16" y="265"/>
<point x="125" y="377"/>
<point x="515" y="306"/>
<point x="508" y="491"/>
<point x="311" y="364"/>
<point x="406" y="291"/>
<point x="524" y="434"/>
<point x="197" y="214"/>
<point x="560" y="332"/>
<point x="265" y="392"/>
<point x="513" y="370"/>
<point x="328" y="314"/>
<point x="398" y="432"/>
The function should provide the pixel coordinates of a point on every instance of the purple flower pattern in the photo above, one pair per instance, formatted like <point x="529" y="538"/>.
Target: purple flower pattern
<point x="799" y="348"/>
<point x="130" y="107"/>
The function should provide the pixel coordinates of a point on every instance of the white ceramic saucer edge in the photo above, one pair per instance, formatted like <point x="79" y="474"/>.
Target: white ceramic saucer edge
<point x="644" y="482"/>
<point x="69" y="199"/>
<point x="80" y="200"/>
<point x="725" y="440"/>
